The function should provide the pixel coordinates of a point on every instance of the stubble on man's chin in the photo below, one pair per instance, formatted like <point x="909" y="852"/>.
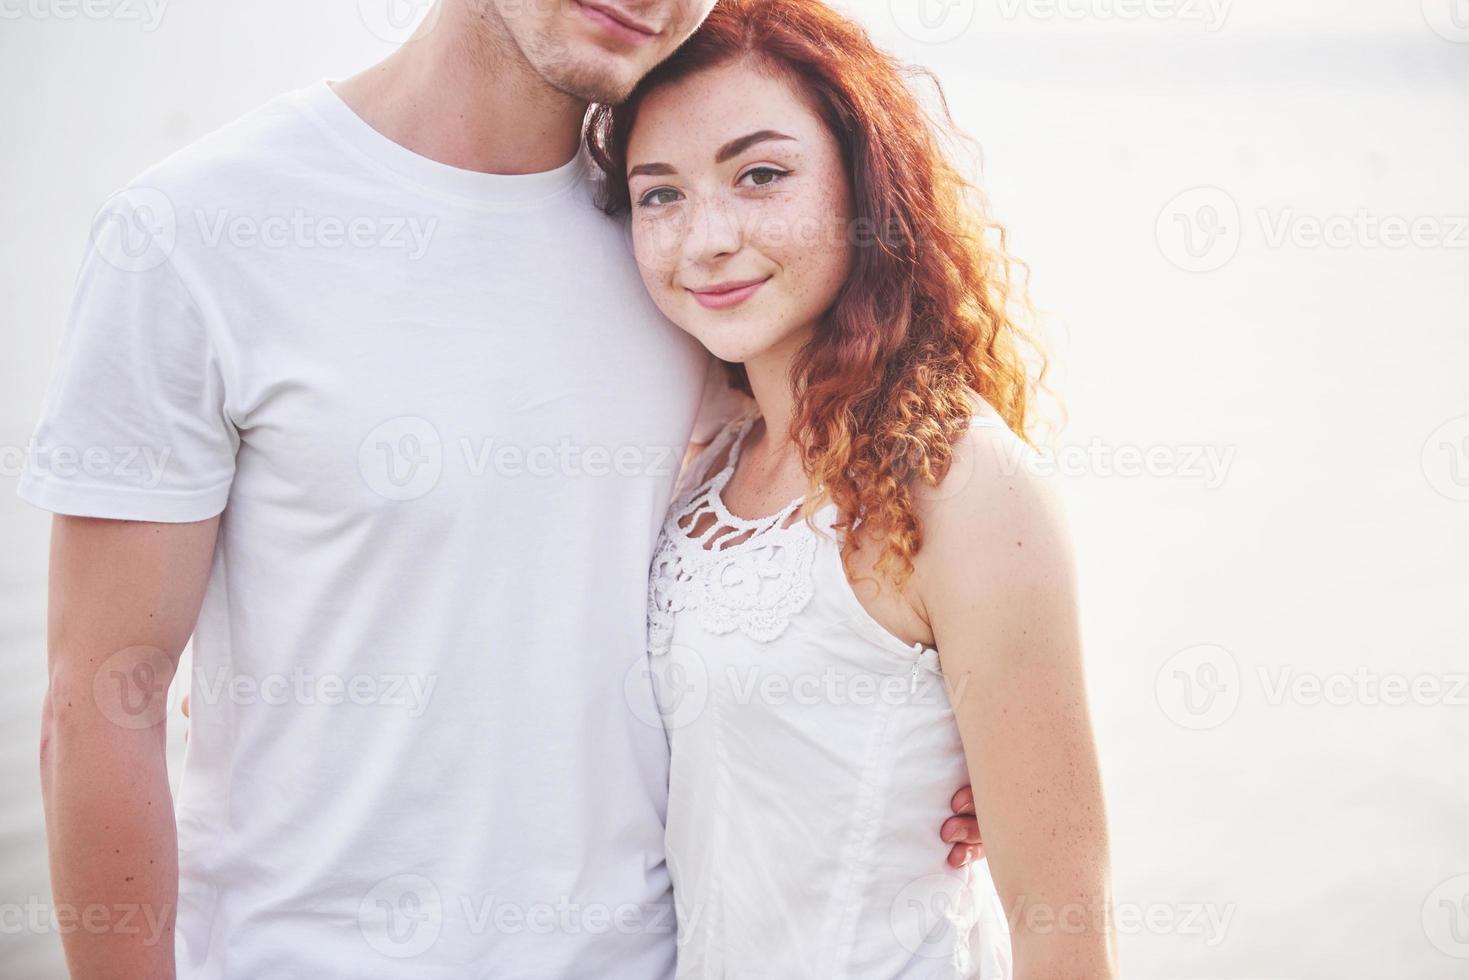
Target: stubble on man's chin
<point x="547" y="56"/>
<point x="591" y="85"/>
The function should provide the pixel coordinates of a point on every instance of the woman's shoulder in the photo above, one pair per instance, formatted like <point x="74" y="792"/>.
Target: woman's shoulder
<point x="996" y="499"/>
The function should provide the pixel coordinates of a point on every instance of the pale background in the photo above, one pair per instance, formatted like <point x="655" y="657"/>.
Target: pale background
<point x="1258" y="831"/>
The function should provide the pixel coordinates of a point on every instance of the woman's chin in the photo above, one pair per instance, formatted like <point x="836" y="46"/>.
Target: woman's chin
<point x="726" y="348"/>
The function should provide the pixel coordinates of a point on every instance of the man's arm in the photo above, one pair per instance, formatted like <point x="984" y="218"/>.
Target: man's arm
<point x="124" y="598"/>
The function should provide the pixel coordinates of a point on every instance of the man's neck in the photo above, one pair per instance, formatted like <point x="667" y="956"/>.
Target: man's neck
<point x="460" y="92"/>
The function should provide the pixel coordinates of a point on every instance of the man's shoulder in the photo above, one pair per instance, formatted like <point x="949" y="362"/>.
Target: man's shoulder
<point x="239" y="159"/>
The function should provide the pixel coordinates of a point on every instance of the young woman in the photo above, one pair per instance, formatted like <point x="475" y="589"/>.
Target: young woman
<point x="861" y="596"/>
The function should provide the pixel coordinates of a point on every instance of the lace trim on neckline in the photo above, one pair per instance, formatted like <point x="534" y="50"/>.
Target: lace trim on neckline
<point x="750" y="575"/>
<point x="715" y="484"/>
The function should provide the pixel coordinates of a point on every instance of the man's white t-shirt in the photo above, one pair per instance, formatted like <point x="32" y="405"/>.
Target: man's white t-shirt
<point x="442" y="421"/>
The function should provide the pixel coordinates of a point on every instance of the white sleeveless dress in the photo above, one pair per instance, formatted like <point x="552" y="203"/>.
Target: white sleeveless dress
<point x="814" y="756"/>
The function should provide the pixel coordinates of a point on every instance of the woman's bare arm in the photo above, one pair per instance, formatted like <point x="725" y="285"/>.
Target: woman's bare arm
<point x="995" y="580"/>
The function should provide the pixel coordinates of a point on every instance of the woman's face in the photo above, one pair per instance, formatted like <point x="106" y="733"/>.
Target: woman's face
<point x="741" y="209"/>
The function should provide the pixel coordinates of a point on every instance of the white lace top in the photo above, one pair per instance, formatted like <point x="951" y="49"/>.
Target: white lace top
<point x="813" y="759"/>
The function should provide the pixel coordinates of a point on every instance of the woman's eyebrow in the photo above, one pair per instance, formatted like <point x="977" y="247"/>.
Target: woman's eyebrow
<point x="652" y="170"/>
<point x="731" y="149"/>
<point x="738" y="146"/>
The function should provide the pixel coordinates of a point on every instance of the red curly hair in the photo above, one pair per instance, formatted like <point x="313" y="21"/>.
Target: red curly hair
<point x="883" y="389"/>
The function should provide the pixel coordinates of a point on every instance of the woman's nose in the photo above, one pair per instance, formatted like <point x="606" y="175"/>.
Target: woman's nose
<point x="713" y="232"/>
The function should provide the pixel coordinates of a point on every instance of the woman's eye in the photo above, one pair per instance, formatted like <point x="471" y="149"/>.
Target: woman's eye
<point x="658" y="196"/>
<point x="763" y="176"/>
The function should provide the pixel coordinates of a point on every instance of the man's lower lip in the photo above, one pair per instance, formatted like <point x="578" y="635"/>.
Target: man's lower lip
<point x="721" y="301"/>
<point x="613" y="27"/>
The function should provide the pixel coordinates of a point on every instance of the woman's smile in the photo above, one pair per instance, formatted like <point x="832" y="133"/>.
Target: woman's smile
<point x="724" y="295"/>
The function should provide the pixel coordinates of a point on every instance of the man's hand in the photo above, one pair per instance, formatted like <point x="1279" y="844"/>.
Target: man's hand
<point x="962" y="830"/>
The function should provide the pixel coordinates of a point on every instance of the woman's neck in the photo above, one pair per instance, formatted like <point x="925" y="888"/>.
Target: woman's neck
<point x="771" y="385"/>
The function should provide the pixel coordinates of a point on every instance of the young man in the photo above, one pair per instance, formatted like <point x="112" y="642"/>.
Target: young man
<point x="363" y="393"/>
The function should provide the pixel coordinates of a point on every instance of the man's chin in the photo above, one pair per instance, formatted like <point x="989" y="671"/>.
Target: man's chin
<point x="592" y="82"/>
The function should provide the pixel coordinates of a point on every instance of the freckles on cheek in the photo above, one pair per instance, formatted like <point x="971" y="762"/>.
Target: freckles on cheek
<point x="657" y="273"/>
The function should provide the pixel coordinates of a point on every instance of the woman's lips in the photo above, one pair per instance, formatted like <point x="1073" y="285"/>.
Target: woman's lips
<point x="723" y="296"/>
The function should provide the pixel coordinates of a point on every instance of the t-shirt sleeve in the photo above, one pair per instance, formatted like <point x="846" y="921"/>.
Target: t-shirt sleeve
<point x="133" y="425"/>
